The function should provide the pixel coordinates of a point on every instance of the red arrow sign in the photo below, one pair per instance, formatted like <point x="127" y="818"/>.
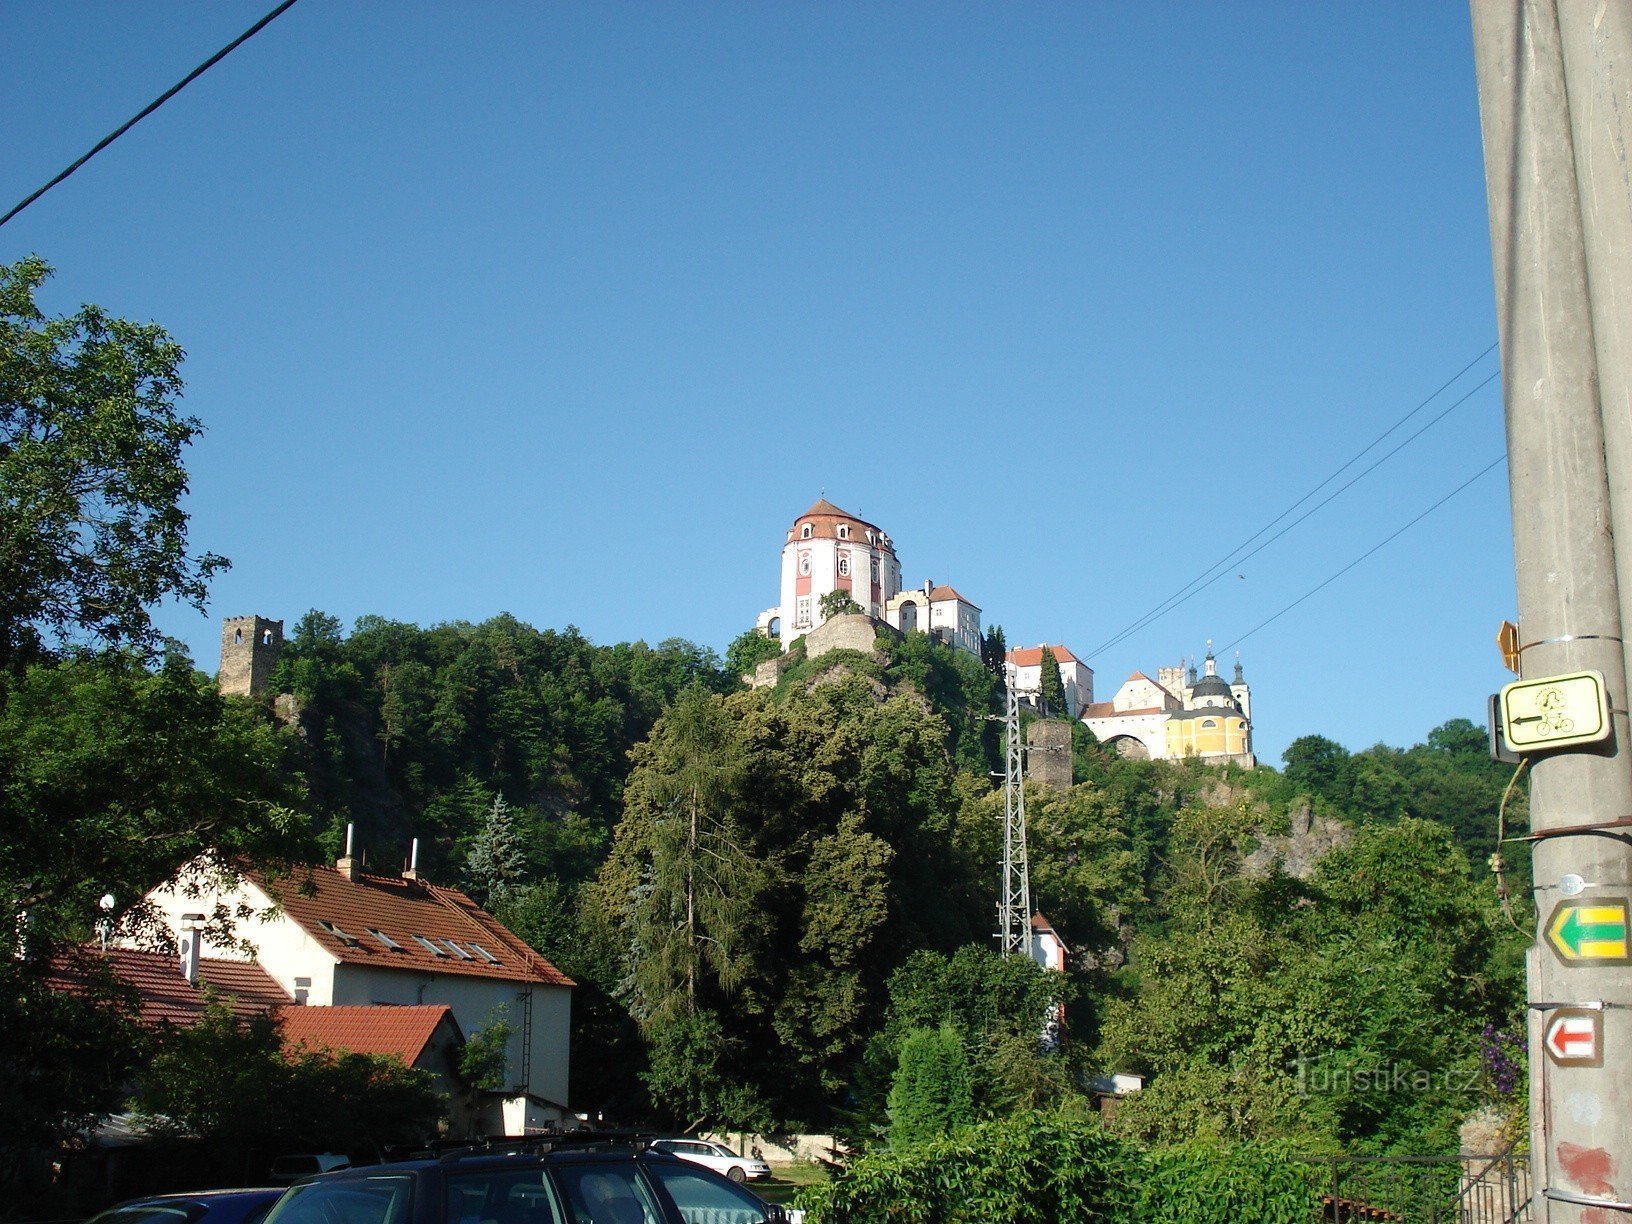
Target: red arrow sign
<point x="1575" y="1038"/>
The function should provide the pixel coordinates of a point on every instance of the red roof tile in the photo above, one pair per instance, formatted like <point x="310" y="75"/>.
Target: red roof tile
<point x="946" y="592"/>
<point x="1032" y="656"/>
<point x="1107" y="709"/>
<point x="400" y="1031"/>
<point x="347" y="917"/>
<point x="165" y="995"/>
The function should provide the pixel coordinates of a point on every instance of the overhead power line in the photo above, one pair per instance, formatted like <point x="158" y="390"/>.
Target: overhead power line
<point x="1389" y="539"/>
<point x="1238" y="554"/>
<point x="155" y="104"/>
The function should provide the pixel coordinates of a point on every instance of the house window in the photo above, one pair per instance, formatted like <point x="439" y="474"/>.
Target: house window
<point x="844" y="565"/>
<point x="385" y="939"/>
<point x="804" y="565"/>
<point x="303" y="989"/>
<point x="429" y="946"/>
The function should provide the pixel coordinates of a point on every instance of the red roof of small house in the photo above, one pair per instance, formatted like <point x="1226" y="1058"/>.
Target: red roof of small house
<point x="163" y="994"/>
<point x="402" y="1032"/>
<point x="1044" y="927"/>
<point x="946" y="592"/>
<point x="1032" y="656"/>
<point x="391" y="922"/>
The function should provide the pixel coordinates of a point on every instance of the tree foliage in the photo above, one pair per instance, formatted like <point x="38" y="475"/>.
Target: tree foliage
<point x="92" y="532"/>
<point x="931" y="1092"/>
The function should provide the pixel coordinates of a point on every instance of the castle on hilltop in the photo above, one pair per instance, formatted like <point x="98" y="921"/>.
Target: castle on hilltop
<point x="830" y="550"/>
<point x="1179" y="714"/>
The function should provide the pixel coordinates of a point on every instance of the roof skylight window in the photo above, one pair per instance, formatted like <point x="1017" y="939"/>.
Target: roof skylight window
<point x="429" y="946"/>
<point x="484" y="954"/>
<point x="385" y="939"/>
<point x="457" y="950"/>
<point x="334" y="930"/>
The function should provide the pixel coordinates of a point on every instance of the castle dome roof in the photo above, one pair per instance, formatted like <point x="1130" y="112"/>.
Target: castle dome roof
<point x="1210" y="686"/>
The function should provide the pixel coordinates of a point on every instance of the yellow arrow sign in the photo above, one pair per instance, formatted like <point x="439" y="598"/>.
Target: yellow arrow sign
<point x="1581" y="932"/>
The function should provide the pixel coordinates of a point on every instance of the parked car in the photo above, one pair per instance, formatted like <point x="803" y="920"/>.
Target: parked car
<point x="205" y="1207"/>
<point x="563" y="1180"/>
<point x="715" y="1156"/>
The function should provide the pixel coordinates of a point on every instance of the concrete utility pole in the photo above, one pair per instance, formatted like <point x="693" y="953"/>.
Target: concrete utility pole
<point x="1555" y="101"/>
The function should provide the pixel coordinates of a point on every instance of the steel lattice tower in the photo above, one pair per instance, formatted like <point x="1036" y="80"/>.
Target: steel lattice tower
<point x="1014" y="888"/>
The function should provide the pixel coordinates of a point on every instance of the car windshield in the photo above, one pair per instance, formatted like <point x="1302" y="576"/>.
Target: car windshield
<point x="707" y="1200"/>
<point x="384" y="1199"/>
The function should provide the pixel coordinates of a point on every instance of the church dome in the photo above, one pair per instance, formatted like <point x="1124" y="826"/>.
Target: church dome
<point x="1211" y="686"/>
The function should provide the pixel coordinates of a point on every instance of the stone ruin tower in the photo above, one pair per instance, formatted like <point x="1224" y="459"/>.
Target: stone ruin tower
<point x="250" y="646"/>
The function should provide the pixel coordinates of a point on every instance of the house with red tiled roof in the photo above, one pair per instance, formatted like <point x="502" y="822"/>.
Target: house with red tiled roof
<point x="168" y="991"/>
<point x="941" y="612"/>
<point x="425" y="1037"/>
<point x="1076" y="676"/>
<point x="340" y="937"/>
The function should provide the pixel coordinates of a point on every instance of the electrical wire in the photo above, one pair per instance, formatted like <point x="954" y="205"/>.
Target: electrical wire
<point x="1386" y="540"/>
<point x="1234" y="557"/>
<point x="155" y="104"/>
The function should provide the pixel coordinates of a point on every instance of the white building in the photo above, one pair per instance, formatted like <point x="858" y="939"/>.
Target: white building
<point x="1076" y="676"/>
<point x="335" y="937"/>
<point x="829" y="549"/>
<point x="1183" y="715"/>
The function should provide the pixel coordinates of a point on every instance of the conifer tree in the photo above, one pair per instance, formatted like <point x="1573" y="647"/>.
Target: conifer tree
<point x="497" y="862"/>
<point x="932" y="1091"/>
<point x="1051" y="688"/>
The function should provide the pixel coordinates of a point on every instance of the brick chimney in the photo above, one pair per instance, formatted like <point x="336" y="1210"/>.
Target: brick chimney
<point x="348" y="865"/>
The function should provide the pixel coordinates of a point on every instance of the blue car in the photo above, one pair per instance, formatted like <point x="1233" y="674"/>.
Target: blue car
<point x="204" y="1207"/>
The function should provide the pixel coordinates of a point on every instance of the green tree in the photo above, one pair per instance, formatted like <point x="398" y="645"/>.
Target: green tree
<point x="1051" y="688"/>
<point x="748" y="650"/>
<point x="496" y="862"/>
<point x="838" y="602"/>
<point x="91" y="478"/>
<point x="931" y="1091"/>
<point x="482" y="1062"/>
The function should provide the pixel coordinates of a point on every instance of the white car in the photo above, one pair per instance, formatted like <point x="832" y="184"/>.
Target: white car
<point x="714" y="1156"/>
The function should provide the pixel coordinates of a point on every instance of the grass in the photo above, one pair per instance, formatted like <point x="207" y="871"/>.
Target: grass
<point x="787" y="1180"/>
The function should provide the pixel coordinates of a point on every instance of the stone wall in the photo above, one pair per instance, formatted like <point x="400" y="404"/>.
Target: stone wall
<point x="854" y="631"/>
<point x="1048" y="753"/>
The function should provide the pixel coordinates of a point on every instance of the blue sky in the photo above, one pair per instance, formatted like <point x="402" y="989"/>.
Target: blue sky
<point x="568" y="310"/>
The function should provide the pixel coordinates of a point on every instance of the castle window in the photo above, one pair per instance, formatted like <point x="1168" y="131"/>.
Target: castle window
<point x="804" y="532"/>
<point x="801" y="615"/>
<point x="875" y="572"/>
<point x="804" y="564"/>
<point x="844" y="531"/>
<point x="1209" y="724"/>
<point x="869" y="535"/>
<point x="844" y="565"/>
<point x="266" y="638"/>
<point x="237" y="637"/>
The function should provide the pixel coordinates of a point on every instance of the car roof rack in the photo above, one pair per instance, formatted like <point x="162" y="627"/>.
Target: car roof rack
<point x="549" y="1141"/>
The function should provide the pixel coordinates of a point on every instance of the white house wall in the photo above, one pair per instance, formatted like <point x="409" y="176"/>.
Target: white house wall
<point x="475" y="1001"/>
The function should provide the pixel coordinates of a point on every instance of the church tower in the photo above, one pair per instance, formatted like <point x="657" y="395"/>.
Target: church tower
<point x="828" y="550"/>
<point x="250" y="646"/>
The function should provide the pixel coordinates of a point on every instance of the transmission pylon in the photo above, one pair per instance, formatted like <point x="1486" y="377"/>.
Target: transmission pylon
<point x="1014" y="888"/>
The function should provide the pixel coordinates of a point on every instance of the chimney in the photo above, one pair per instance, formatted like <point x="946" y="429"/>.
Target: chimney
<point x="191" y="938"/>
<point x="413" y="861"/>
<point x="347" y="866"/>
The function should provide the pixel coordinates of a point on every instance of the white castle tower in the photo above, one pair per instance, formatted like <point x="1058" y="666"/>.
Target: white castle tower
<point x="830" y="550"/>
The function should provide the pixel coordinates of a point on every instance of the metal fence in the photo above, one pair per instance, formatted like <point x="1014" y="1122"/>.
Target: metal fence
<point x="1426" y="1189"/>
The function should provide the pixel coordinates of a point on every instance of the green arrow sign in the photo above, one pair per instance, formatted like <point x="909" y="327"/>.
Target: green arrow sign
<point x="1589" y="932"/>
